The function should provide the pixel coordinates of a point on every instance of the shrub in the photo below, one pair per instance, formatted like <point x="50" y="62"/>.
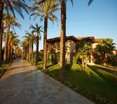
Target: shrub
<point x="53" y="58"/>
<point x="113" y="60"/>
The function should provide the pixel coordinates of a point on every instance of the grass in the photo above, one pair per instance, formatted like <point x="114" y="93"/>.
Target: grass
<point x="96" y="84"/>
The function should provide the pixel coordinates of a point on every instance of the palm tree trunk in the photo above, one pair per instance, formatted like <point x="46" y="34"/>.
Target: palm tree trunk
<point x="37" y="49"/>
<point x="1" y="28"/>
<point x="63" y="34"/>
<point x="32" y="53"/>
<point x="6" y="49"/>
<point x="27" y="53"/>
<point x="45" y="42"/>
<point x="10" y="53"/>
<point x="7" y="45"/>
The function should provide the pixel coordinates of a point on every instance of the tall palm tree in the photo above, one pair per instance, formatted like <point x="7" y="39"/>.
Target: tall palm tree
<point x="63" y="30"/>
<point x="63" y="34"/>
<point x="12" y="42"/>
<point x="46" y="10"/>
<point x="37" y="29"/>
<point x="28" y="45"/>
<point x="9" y="22"/>
<point x="1" y="28"/>
<point x="25" y="45"/>
<point x="9" y="6"/>
<point x="18" y="51"/>
<point x="30" y="37"/>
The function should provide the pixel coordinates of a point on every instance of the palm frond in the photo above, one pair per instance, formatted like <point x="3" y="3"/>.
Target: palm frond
<point x="12" y="6"/>
<point x="90" y="2"/>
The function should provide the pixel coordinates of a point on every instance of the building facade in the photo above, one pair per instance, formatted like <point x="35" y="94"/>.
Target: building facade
<point x="53" y="47"/>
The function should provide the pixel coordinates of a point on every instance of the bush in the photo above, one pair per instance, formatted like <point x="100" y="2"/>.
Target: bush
<point x="53" y="58"/>
<point x="113" y="60"/>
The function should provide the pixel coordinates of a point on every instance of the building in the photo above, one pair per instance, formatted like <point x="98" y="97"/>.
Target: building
<point x="53" y="46"/>
<point x="115" y="52"/>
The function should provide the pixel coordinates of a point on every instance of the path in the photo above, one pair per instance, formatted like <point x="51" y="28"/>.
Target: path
<point x="23" y="84"/>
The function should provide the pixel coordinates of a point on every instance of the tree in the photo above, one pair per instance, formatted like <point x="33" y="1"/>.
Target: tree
<point x="37" y="29"/>
<point x="63" y="33"/>
<point x="45" y="9"/>
<point x="84" y="51"/>
<point x="104" y="50"/>
<point x="30" y="38"/>
<point x="12" y="42"/>
<point x="8" y="22"/>
<point x="26" y="47"/>
<point x="9" y="6"/>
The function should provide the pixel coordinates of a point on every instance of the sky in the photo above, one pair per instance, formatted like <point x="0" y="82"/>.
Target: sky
<point x="98" y="19"/>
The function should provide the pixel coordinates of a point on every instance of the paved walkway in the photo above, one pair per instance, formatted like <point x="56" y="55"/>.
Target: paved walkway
<point x="23" y="84"/>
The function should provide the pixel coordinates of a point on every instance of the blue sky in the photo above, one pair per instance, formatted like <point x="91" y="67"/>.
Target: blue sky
<point x="98" y="20"/>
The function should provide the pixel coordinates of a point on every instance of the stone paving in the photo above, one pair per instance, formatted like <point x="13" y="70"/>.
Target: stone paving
<point x="23" y="84"/>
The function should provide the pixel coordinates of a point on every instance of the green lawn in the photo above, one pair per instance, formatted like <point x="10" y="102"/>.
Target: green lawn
<point x="96" y="84"/>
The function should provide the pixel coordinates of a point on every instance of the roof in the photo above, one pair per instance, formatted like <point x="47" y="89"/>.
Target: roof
<point x="57" y="39"/>
<point x="91" y="39"/>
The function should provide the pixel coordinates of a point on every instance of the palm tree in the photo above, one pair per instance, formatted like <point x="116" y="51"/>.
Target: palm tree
<point x="18" y="51"/>
<point x="12" y="42"/>
<point x="1" y="28"/>
<point x="63" y="33"/>
<point x="104" y="49"/>
<point x="84" y="51"/>
<point x="9" y="22"/>
<point x="37" y="29"/>
<point x="63" y="28"/>
<point x="10" y="6"/>
<point x="46" y="10"/>
<point x="28" y="45"/>
<point x="30" y="37"/>
<point x="25" y="45"/>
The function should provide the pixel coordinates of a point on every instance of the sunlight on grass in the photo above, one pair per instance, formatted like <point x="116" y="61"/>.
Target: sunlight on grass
<point x="88" y="71"/>
<point x="96" y="86"/>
